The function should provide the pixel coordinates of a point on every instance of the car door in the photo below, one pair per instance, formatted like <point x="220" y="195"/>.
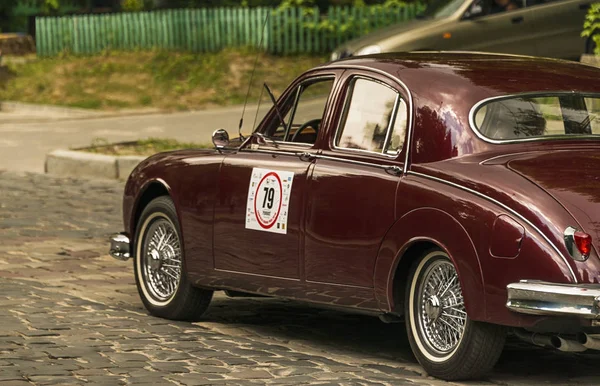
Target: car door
<point x="352" y="192"/>
<point x="260" y="209"/>
<point x="557" y="26"/>
<point x="486" y="27"/>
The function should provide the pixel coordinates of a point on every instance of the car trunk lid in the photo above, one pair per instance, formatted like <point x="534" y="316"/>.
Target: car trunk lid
<point x="572" y="178"/>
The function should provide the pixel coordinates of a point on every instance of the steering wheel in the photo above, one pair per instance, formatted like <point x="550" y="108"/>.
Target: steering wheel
<point x="314" y="123"/>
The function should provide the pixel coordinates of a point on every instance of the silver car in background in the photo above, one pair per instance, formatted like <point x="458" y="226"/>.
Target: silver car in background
<point x="527" y="27"/>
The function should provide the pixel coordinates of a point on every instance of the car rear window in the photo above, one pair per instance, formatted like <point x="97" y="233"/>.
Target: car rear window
<point x="539" y="116"/>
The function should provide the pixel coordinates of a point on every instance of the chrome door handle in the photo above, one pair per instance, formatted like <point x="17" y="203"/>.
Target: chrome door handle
<point x="307" y="157"/>
<point x="394" y="170"/>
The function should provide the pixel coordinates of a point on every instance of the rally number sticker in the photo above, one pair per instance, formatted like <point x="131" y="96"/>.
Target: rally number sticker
<point x="268" y="200"/>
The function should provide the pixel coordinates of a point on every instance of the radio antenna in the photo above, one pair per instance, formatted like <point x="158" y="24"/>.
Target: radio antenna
<point x="262" y="36"/>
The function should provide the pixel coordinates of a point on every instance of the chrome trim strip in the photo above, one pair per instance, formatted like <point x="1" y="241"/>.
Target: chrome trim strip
<point x="274" y="152"/>
<point x="361" y="163"/>
<point x="320" y="156"/>
<point x="503" y="206"/>
<point x="338" y="285"/>
<point x="542" y="298"/>
<point x="566" y="137"/>
<point x="256" y="274"/>
<point x="386" y="143"/>
<point x="408" y="142"/>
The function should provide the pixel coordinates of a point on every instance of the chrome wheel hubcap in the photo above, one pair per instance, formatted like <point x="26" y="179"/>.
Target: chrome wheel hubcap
<point x="161" y="259"/>
<point x="440" y="307"/>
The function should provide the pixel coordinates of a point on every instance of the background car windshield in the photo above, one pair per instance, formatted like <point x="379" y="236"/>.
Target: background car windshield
<point x="442" y="9"/>
<point x="539" y="116"/>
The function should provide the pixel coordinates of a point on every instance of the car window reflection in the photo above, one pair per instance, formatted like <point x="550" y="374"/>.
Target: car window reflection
<point x="368" y="123"/>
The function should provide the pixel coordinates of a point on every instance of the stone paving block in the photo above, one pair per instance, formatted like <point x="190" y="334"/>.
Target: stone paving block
<point x="251" y="374"/>
<point x="294" y="380"/>
<point x="205" y="369"/>
<point x="7" y="377"/>
<point x="171" y="367"/>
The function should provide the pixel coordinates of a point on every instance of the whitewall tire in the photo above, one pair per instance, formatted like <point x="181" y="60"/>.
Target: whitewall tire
<point x="445" y="341"/>
<point x="159" y="265"/>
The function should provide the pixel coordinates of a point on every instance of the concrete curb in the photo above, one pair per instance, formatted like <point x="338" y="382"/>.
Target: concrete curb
<point x="70" y="163"/>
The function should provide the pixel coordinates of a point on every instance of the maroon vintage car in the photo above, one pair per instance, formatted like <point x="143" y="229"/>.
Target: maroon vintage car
<point x="459" y="191"/>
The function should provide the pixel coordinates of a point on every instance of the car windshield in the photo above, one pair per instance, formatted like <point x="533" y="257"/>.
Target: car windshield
<point x="557" y="115"/>
<point x="441" y="9"/>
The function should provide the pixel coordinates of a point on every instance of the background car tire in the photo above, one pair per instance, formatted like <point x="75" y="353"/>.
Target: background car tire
<point x="460" y="356"/>
<point x="159" y="265"/>
<point x="590" y="46"/>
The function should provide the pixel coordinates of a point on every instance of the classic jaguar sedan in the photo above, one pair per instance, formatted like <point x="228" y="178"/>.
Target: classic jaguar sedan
<point x="459" y="192"/>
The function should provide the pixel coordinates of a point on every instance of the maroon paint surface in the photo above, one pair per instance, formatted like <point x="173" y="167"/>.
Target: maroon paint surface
<point x="498" y="210"/>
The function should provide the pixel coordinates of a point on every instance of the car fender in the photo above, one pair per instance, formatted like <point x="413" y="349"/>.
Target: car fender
<point x="437" y="227"/>
<point x="133" y="208"/>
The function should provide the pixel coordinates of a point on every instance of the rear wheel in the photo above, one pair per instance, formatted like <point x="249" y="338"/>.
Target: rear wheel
<point x="445" y="341"/>
<point x="159" y="265"/>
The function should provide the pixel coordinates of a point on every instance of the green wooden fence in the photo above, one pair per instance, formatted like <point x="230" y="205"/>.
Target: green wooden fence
<point x="288" y="31"/>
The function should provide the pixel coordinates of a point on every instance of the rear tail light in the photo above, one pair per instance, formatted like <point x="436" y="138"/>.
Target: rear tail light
<point x="578" y="243"/>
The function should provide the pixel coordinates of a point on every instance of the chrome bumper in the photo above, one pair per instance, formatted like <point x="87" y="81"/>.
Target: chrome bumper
<point x="543" y="298"/>
<point x="119" y="247"/>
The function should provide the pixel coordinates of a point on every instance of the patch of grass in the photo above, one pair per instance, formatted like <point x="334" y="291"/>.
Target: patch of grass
<point x="144" y="147"/>
<point x="159" y="79"/>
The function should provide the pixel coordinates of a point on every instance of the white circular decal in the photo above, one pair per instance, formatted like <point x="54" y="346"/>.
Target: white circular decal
<point x="267" y="208"/>
<point x="267" y="203"/>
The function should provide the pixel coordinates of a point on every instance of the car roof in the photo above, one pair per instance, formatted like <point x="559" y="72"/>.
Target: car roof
<point x="474" y="76"/>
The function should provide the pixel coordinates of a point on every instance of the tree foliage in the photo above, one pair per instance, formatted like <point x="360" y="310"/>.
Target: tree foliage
<point x="591" y="26"/>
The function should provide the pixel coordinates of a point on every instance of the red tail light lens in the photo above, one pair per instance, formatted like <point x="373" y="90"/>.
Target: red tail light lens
<point x="578" y="243"/>
<point x="583" y="241"/>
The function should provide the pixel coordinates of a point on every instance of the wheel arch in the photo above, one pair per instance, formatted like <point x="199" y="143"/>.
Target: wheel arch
<point x="407" y="240"/>
<point x="150" y="190"/>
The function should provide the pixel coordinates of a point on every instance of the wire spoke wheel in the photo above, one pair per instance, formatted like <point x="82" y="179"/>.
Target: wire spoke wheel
<point x="161" y="259"/>
<point x="440" y="308"/>
<point x="445" y="340"/>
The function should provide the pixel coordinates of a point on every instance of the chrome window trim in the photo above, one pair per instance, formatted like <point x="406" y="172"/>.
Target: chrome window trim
<point x="273" y="152"/>
<point x="354" y="162"/>
<point x="565" y="137"/>
<point x="503" y="206"/>
<point x="339" y="131"/>
<point x="409" y="130"/>
<point x="386" y="143"/>
<point x="325" y="157"/>
<point x="303" y="144"/>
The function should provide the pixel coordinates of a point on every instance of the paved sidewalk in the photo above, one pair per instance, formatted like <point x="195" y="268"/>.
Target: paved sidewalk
<point x="70" y="314"/>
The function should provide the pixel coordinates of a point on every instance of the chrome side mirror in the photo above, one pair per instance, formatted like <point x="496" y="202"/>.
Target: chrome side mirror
<point x="220" y="138"/>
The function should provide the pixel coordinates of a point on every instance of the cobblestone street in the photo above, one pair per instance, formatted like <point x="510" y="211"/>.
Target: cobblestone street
<point x="70" y="314"/>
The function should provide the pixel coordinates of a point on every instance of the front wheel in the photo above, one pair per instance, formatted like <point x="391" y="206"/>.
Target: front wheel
<point x="159" y="265"/>
<point x="444" y="340"/>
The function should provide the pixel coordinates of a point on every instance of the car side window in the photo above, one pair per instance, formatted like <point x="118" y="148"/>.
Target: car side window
<point x="304" y="111"/>
<point x="481" y="8"/>
<point x="374" y="119"/>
